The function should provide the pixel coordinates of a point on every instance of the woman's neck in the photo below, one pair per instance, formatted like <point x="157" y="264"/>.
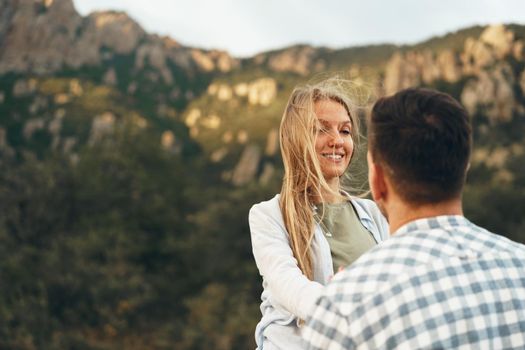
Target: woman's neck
<point x="333" y="196"/>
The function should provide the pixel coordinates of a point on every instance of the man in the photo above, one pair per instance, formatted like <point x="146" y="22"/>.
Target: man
<point x="440" y="282"/>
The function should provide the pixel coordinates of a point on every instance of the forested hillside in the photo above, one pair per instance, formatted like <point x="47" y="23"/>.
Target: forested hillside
<point x="128" y="164"/>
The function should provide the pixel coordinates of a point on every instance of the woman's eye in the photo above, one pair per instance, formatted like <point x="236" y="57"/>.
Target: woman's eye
<point x="346" y="132"/>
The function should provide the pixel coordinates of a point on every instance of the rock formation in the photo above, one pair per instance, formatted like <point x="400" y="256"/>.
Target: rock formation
<point x="40" y="35"/>
<point x="493" y="91"/>
<point x="272" y="143"/>
<point x="246" y="169"/>
<point x="103" y="125"/>
<point x="261" y="91"/>
<point x="300" y="59"/>
<point x="44" y="36"/>
<point x="490" y="79"/>
<point x="415" y="68"/>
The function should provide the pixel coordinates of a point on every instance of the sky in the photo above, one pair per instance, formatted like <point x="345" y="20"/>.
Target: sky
<point x="247" y="27"/>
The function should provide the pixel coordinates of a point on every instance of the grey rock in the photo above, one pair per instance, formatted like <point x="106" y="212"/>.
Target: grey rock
<point x="272" y="142"/>
<point x="246" y="168"/>
<point x="492" y="90"/>
<point x="31" y="126"/>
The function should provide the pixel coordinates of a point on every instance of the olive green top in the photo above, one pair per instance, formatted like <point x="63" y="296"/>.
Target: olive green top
<point x="346" y="235"/>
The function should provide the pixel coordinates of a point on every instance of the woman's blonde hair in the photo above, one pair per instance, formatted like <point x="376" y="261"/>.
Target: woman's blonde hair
<point x="303" y="180"/>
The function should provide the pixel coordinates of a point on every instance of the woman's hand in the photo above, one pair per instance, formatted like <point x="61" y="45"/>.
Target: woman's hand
<point x="341" y="268"/>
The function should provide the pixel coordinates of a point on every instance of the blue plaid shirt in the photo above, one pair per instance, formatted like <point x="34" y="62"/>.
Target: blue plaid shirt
<point x="438" y="283"/>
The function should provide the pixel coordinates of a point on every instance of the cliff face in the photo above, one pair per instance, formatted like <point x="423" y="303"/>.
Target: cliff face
<point x="414" y="68"/>
<point x="44" y="36"/>
<point x="301" y="59"/>
<point x="484" y="63"/>
<point x="40" y="35"/>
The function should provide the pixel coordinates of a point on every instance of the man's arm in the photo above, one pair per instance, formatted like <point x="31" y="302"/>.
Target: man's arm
<point x="326" y="328"/>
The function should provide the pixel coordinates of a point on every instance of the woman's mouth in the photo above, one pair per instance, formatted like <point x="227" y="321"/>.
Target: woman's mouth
<point x="333" y="156"/>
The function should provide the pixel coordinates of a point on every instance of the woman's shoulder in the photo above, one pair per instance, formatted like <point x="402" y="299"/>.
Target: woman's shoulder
<point x="266" y="210"/>
<point x="268" y="206"/>
<point x="265" y="218"/>
<point x="366" y="204"/>
<point x="369" y="211"/>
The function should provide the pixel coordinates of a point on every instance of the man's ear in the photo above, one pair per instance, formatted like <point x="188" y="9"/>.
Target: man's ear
<point x="376" y="179"/>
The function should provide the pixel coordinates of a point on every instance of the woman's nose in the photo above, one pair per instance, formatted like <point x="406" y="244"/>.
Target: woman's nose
<point x="336" y="140"/>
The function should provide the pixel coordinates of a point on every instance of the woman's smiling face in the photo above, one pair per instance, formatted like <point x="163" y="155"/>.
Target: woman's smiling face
<point x="334" y="144"/>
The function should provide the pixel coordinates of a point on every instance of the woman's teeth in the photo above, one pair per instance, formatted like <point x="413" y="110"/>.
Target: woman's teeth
<point x="333" y="156"/>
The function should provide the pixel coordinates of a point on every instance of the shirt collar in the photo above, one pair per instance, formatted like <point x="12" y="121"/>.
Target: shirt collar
<point x="434" y="222"/>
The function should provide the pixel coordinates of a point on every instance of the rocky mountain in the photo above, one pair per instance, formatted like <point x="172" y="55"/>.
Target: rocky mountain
<point x="63" y="65"/>
<point x="126" y="157"/>
<point x="45" y="36"/>
<point x="487" y="62"/>
<point x="58" y="68"/>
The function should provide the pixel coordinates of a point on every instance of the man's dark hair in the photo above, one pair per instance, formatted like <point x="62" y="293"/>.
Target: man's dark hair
<point x="422" y="138"/>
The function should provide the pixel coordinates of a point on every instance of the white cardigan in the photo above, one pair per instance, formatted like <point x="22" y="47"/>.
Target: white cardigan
<point x="288" y="295"/>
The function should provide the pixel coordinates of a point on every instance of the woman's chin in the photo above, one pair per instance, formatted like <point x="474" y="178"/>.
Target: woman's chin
<point x="332" y="175"/>
<point x="331" y="172"/>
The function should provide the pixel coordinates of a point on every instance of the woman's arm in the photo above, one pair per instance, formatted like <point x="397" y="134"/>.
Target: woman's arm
<point x="276" y="263"/>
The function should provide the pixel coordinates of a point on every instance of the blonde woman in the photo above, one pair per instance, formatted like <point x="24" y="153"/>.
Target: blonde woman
<point x="312" y="228"/>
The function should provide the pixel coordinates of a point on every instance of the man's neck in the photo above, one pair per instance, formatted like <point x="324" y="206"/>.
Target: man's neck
<point x="402" y="213"/>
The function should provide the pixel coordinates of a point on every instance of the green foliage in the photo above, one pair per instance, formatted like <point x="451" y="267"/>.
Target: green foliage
<point x="89" y="245"/>
<point x="121" y="243"/>
<point x="224" y="313"/>
<point x="221" y="318"/>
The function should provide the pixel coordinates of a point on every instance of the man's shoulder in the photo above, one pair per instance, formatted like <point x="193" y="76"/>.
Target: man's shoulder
<point x="419" y="250"/>
<point x="488" y="240"/>
<point x="453" y="235"/>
